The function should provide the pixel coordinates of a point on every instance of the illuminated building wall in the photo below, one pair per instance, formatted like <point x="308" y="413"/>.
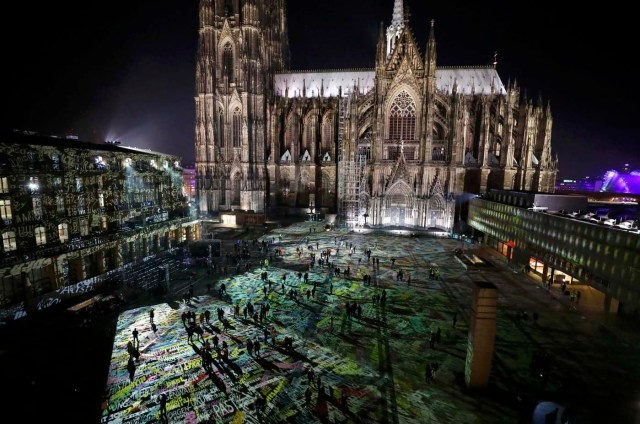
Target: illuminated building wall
<point x="73" y="212"/>
<point x="606" y="258"/>
<point x="397" y="142"/>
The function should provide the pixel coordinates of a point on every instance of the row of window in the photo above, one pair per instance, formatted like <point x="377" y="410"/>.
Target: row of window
<point x="9" y="237"/>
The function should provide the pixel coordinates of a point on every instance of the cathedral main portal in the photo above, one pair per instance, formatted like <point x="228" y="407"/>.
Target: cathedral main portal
<point x="398" y="204"/>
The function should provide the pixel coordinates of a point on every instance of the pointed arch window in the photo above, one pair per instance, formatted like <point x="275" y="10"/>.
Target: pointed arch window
<point x="402" y="118"/>
<point x="220" y="128"/>
<point x="227" y="62"/>
<point x="293" y="132"/>
<point x="236" y="129"/>
<point x="310" y="133"/>
<point x="235" y="189"/>
<point x="327" y="134"/>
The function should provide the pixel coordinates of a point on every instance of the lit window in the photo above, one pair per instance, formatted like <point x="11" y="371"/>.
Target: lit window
<point x="41" y="236"/>
<point x="63" y="232"/>
<point x="37" y="207"/>
<point x="9" y="241"/>
<point x="103" y="222"/>
<point x="79" y="184"/>
<point x="402" y="118"/>
<point x="60" y="204"/>
<point x="84" y="227"/>
<point x="81" y="205"/>
<point x="101" y="199"/>
<point x="4" y="185"/>
<point x="5" y="209"/>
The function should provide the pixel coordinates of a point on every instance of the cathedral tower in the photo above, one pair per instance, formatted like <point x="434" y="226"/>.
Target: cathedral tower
<point x="242" y="44"/>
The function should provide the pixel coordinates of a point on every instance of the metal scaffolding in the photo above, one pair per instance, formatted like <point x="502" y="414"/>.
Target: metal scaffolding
<point x="350" y="175"/>
<point x="351" y="201"/>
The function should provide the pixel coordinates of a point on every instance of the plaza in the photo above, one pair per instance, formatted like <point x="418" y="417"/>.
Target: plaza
<point x="377" y="361"/>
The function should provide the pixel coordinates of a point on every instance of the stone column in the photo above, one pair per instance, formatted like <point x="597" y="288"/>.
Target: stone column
<point x="482" y="334"/>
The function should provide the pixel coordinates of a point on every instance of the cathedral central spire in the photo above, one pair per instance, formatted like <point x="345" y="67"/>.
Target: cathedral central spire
<point x="398" y="14"/>
<point x="397" y="24"/>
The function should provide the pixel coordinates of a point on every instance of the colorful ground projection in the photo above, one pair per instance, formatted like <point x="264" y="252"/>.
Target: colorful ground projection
<point x="372" y="367"/>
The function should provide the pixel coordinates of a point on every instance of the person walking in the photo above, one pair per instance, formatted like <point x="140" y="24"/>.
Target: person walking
<point x="136" y="341"/>
<point x="163" y="409"/>
<point x="151" y="315"/>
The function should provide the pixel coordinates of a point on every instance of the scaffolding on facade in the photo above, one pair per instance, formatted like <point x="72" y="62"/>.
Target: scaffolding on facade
<point x="350" y="213"/>
<point x="350" y="172"/>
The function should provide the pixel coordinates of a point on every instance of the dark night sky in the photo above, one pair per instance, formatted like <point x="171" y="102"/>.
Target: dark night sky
<point x="125" y="69"/>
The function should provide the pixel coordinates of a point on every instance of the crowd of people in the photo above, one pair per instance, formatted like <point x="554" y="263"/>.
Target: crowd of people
<point x="212" y="340"/>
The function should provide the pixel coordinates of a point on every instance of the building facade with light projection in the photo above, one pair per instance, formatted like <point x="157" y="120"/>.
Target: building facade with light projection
<point x="76" y="214"/>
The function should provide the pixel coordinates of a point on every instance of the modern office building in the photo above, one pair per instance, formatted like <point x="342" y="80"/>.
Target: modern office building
<point x="75" y="214"/>
<point x="545" y="233"/>
<point x="395" y="143"/>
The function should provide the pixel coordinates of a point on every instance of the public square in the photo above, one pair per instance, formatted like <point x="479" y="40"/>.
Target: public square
<point x="75" y="371"/>
<point x="372" y="367"/>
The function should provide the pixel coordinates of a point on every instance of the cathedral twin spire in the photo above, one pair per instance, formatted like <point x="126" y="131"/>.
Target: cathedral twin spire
<point x="397" y="25"/>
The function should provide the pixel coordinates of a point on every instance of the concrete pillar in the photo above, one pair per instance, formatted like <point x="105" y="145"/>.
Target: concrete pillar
<point x="189" y="234"/>
<point x="145" y="246"/>
<point x="79" y="269"/>
<point x="30" y="302"/>
<point x="167" y="240"/>
<point x="545" y="270"/>
<point x="102" y="263"/>
<point x="156" y="243"/>
<point x="118" y="255"/>
<point x="132" y="251"/>
<point x="482" y="334"/>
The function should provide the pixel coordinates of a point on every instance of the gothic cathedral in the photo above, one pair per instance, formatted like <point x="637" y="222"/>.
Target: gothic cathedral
<point x="391" y="145"/>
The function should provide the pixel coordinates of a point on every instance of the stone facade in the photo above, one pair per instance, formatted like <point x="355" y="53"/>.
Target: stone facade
<point x="396" y="143"/>
<point x="75" y="213"/>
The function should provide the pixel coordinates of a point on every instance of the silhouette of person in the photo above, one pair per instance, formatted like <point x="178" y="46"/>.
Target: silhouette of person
<point x="163" y="409"/>
<point x="136" y="341"/>
<point x="131" y="367"/>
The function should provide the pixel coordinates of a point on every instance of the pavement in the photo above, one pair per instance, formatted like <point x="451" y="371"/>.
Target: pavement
<point x="58" y="369"/>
